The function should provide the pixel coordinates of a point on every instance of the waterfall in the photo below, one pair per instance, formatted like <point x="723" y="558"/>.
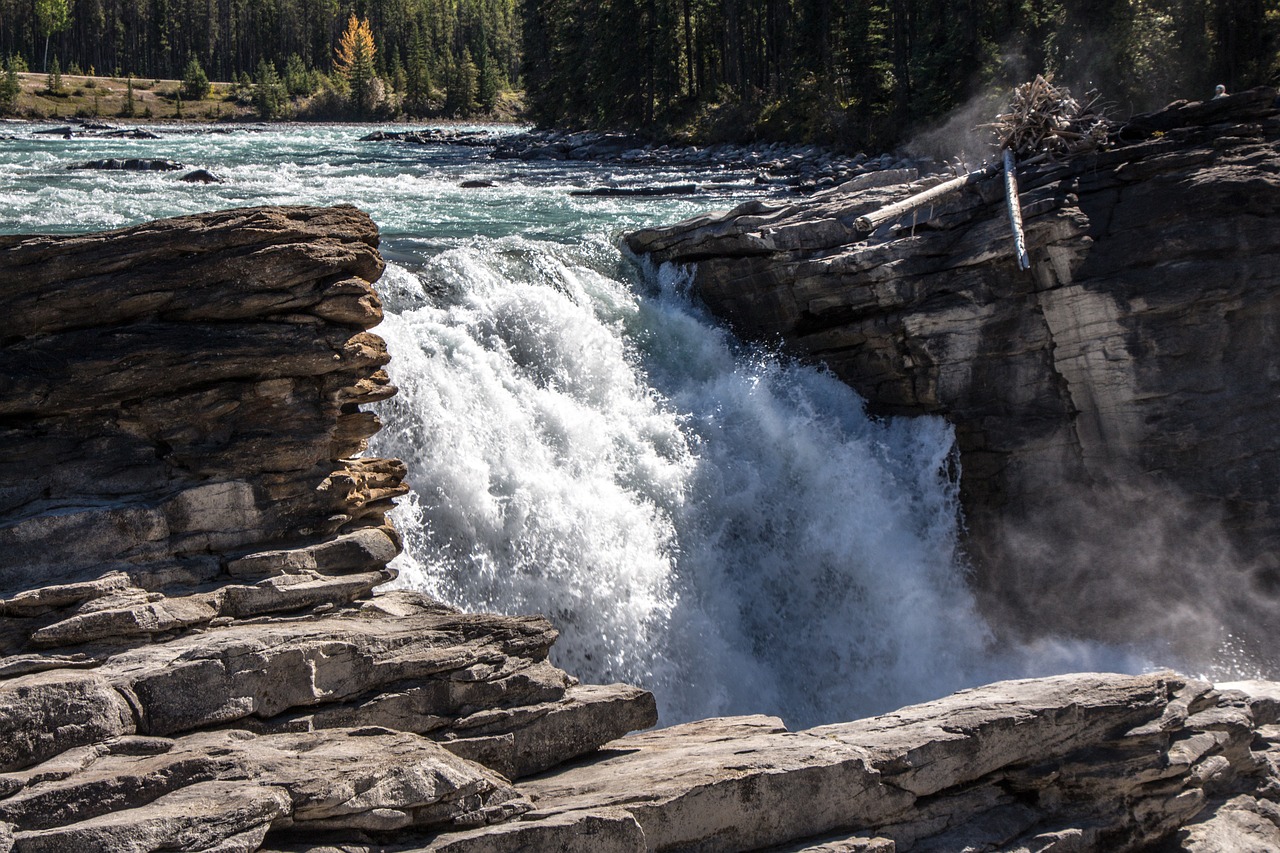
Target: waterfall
<point x="707" y="519"/>
<point x="697" y="516"/>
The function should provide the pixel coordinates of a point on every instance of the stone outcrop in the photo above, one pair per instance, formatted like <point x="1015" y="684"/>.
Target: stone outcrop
<point x="192" y="653"/>
<point x="132" y="164"/>
<point x="1111" y="405"/>
<point x="1071" y="763"/>
<point x="196" y="657"/>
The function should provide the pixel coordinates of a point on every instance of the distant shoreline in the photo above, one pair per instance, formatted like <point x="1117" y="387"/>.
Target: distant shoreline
<point x="155" y="101"/>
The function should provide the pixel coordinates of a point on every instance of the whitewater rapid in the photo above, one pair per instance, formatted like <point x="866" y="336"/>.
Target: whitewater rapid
<point x="698" y="516"/>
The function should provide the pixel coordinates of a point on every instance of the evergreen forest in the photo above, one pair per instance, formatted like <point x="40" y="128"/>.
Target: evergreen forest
<point x="865" y="73"/>
<point x="871" y="72"/>
<point x="419" y="48"/>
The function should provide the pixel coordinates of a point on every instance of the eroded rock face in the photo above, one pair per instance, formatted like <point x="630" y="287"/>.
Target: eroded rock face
<point x="213" y="672"/>
<point x="191" y="652"/>
<point x="1111" y="406"/>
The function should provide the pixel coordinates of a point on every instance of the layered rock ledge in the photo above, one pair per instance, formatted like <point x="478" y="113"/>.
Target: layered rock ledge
<point x="191" y="649"/>
<point x="1111" y="405"/>
<point x="195" y="656"/>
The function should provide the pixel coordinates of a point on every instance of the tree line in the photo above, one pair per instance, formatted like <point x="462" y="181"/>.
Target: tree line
<point x="865" y="73"/>
<point x="870" y="72"/>
<point x="430" y="46"/>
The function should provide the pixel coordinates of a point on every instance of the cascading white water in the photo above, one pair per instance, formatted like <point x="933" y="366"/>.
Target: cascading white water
<point x="711" y="521"/>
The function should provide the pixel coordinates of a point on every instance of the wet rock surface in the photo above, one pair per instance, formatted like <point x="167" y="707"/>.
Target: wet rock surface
<point x="130" y="164"/>
<point x="1114" y="406"/>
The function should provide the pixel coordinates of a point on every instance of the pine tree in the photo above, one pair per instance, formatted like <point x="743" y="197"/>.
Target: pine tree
<point x="417" y="93"/>
<point x="489" y="83"/>
<point x="195" y="83"/>
<point x="53" y="83"/>
<point x="269" y="93"/>
<point x="460" y="97"/>
<point x="128" y="110"/>
<point x="298" y="79"/>
<point x="9" y="86"/>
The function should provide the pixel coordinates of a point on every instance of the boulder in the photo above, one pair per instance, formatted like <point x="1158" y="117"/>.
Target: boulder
<point x="201" y="176"/>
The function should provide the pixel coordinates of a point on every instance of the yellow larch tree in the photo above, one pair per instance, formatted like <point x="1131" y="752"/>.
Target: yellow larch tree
<point x="354" y="61"/>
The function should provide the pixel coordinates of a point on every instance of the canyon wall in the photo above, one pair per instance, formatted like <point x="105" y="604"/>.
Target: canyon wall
<point x="196" y="655"/>
<point x="1114" y="406"/>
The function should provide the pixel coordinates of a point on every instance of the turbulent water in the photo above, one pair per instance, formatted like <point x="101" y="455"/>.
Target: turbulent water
<point x="698" y="516"/>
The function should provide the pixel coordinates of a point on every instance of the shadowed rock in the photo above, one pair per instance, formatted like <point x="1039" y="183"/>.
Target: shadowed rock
<point x="1111" y="406"/>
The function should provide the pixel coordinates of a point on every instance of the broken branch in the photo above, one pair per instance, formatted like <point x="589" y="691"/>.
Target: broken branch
<point x="1015" y="210"/>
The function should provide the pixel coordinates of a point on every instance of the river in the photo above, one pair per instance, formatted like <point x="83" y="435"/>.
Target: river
<point x="699" y="516"/>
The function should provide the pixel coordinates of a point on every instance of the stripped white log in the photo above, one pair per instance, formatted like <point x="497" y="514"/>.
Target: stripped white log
<point x="1015" y="210"/>
<point x="876" y="218"/>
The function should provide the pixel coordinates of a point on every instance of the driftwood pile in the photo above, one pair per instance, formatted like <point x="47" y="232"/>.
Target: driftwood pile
<point x="1043" y="122"/>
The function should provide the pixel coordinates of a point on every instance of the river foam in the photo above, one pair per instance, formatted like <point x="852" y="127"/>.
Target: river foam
<point x="705" y="518"/>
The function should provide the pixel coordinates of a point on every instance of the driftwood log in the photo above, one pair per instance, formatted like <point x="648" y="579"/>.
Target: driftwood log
<point x="871" y="221"/>
<point x="1015" y="210"/>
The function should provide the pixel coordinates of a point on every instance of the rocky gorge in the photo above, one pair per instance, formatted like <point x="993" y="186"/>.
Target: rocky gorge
<point x="1113" y="406"/>
<point x="199" y="654"/>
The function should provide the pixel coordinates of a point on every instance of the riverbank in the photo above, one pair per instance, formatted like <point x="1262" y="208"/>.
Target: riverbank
<point x="158" y="100"/>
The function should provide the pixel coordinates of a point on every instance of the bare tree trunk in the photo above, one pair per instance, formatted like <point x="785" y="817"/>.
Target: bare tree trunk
<point x="1015" y="210"/>
<point x="876" y="218"/>
<point x="688" y="47"/>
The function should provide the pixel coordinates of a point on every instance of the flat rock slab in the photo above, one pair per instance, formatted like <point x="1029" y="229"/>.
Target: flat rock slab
<point x="966" y="772"/>
<point x="211" y="786"/>
<point x="725" y="784"/>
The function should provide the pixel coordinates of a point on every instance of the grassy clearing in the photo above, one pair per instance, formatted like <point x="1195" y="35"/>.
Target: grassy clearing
<point x="107" y="98"/>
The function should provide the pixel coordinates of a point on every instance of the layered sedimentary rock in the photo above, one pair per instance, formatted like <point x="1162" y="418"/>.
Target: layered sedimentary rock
<point x="191" y="651"/>
<point x="1072" y="763"/>
<point x="1111" y="405"/>
<point x="194" y="656"/>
